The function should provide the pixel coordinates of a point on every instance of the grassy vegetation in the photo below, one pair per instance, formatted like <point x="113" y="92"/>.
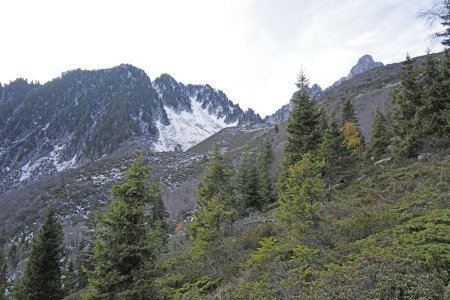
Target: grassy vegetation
<point x="385" y="235"/>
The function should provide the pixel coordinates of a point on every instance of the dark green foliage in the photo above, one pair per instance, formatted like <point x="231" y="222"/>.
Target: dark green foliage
<point x="13" y="256"/>
<point x="217" y="181"/>
<point x="128" y="239"/>
<point x="301" y="203"/>
<point x="421" y="118"/>
<point x="348" y="113"/>
<point x="70" y="278"/>
<point x="337" y="157"/>
<point x="444" y="15"/>
<point x="303" y="128"/>
<point x="266" y="185"/>
<point x="42" y="278"/>
<point x="247" y="182"/>
<point x="380" y="137"/>
<point x="210" y="227"/>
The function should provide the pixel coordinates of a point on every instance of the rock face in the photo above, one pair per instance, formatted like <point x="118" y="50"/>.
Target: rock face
<point x="365" y="63"/>
<point x="84" y="115"/>
<point x="315" y="91"/>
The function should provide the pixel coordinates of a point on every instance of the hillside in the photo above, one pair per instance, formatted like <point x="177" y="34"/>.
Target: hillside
<point x="85" y="115"/>
<point x="369" y="89"/>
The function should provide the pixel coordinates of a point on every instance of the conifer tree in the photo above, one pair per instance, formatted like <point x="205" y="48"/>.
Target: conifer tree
<point x="303" y="124"/>
<point x="217" y="181"/>
<point x="338" y="159"/>
<point x="444" y="93"/>
<point x="408" y="99"/>
<point x="266" y="189"/>
<point x="247" y="182"/>
<point x="380" y="137"/>
<point x="42" y="278"/>
<point x="428" y="114"/>
<point x="129" y="236"/>
<point x="301" y="203"/>
<point x="210" y="226"/>
<point x="348" y="113"/>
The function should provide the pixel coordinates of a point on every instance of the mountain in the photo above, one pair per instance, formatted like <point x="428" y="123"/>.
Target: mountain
<point x="84" y="115"/>
<point x="369" y="90"/>
<point x="365" y="63"/>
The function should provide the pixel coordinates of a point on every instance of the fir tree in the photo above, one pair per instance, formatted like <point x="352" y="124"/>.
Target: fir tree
<point x="380" y="137"/>
<point x="217" y="181"/>
<point x="428" y="116"/>
<point x="265" y="187"/>
<point x="303" y="125"/>
<point x="70" y="279"/>
<point x="210" y="226"/>
<point x="408" y="99"/>
<point x="444" y="94"/>
<point x="129" y="236"/>
<point x="248" y="182"/>
<point x="348" y="113"/>
<point x="301" y="203"/>
<point x="337" y="157"/>
<point x="42" y="278"/>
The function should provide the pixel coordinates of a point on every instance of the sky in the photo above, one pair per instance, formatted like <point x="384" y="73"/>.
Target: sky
<point x="250" y="49"/>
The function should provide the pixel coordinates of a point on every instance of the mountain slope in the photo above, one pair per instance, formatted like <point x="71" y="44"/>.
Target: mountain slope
<point x="84" y="115"/>
<point x="369" y="86"/>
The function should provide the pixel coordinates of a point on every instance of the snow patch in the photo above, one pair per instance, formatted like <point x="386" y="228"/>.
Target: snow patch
<point x="187" y="129"/>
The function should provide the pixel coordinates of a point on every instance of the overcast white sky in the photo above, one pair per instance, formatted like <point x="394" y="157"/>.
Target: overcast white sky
<point x="250" y="49"/>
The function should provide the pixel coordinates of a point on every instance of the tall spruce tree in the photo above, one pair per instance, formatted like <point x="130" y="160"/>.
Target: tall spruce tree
<point x="408" y="99"/>
<point x="380" y="137"/>
<point x="248" y="182"/>
<point x="209" y="228"/>
<point x="42" y="277"/>
<point x="265" y="189"/>
<point x="348" y="113"/>
<point x="337" y="157"/>
<point x="129" y="236"/>
<point x="217" y="181"/>
<point x="301" y="203"/>
<point x="428" y="114"/>
<point x="303" y="124"/>
<point x="444" y="94"/>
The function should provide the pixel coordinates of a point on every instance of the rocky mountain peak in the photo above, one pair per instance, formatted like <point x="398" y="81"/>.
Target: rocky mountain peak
<point x="365" y="63"/>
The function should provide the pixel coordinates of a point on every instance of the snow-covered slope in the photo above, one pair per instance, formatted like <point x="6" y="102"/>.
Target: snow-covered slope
<point x="186" y="129"/>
